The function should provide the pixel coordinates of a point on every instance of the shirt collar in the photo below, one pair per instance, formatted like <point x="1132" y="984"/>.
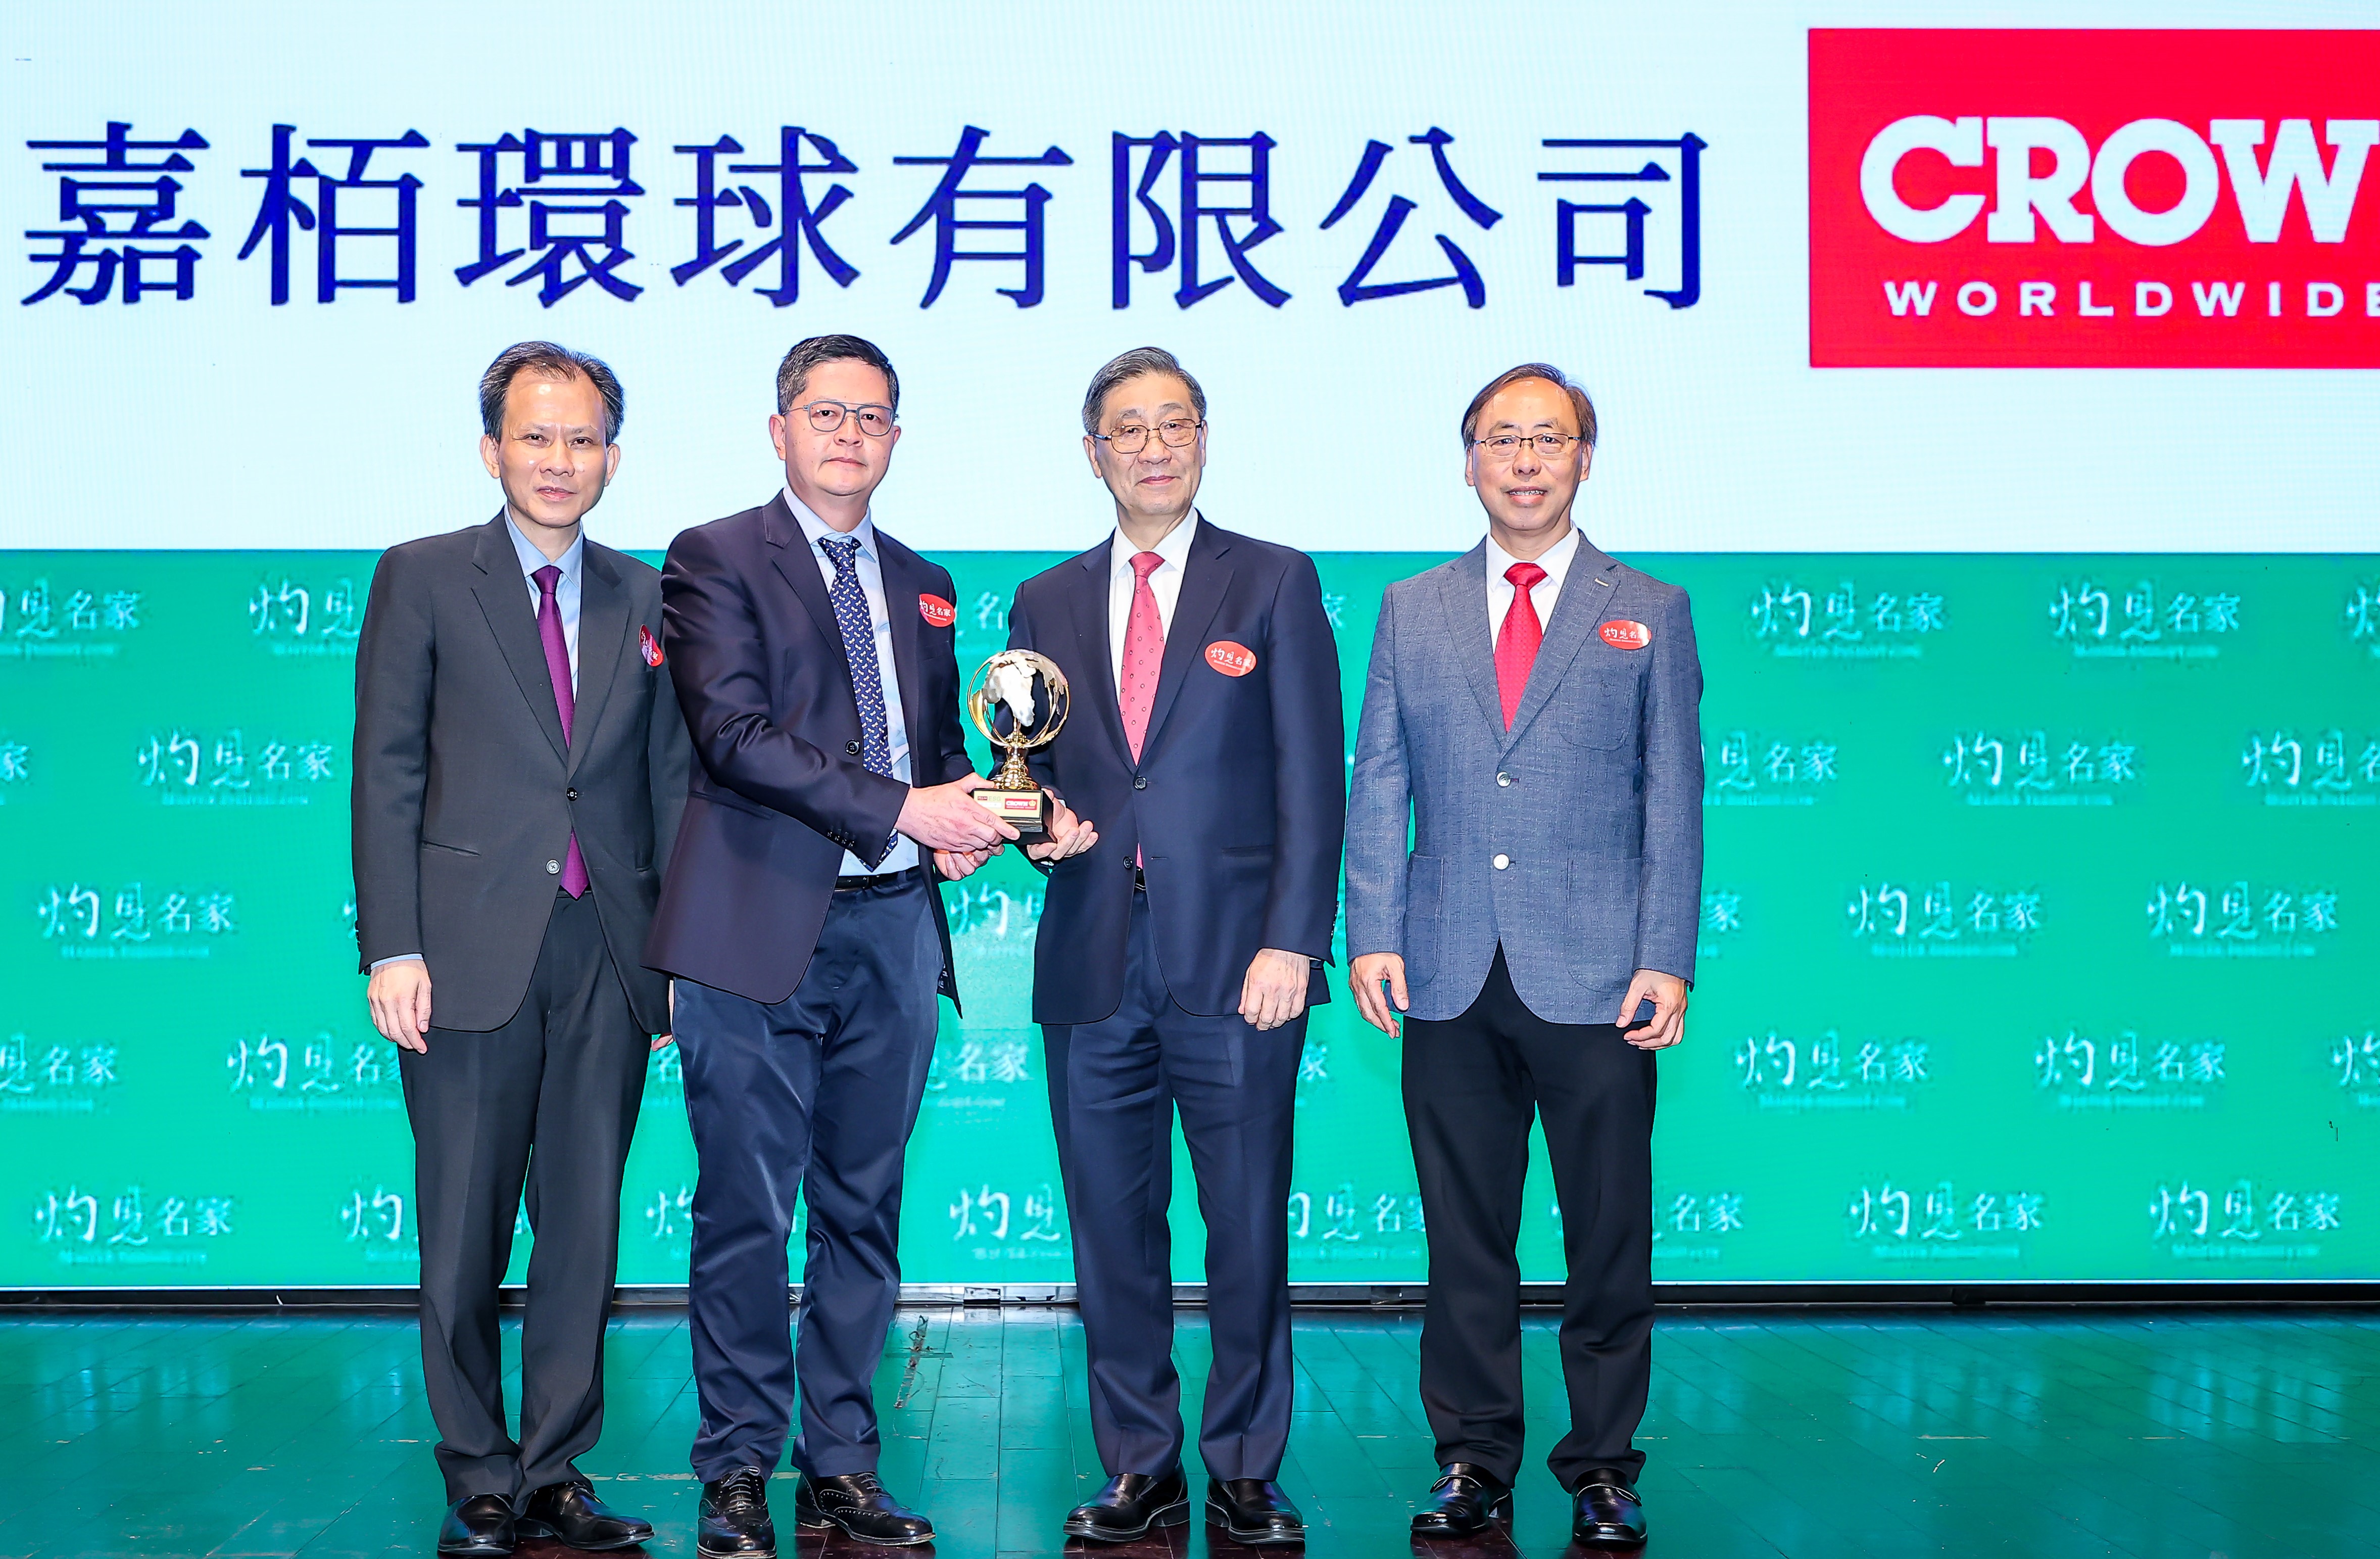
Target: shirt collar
<point x="1556" y="559"/>
<point x="814" y="529"/>
<point x="1174" y="548"/>
<point x="531" y="560"/>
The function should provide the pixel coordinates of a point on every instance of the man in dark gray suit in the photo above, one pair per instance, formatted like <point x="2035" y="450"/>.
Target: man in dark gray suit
<point x="1552" y="776"/>
<point x="520" y="765"/>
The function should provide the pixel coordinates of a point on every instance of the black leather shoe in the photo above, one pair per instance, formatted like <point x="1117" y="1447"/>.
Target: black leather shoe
<point x="1465" y="1498"/>
<point x="1130" y="1504"/>
<point x="735" y="1522"/>
<point x="1253" y="1511"/>
<point x="857" y="1503"/>
<point x="482" y="1525"/>
<point x="571" y="1515"/>
<point x="1608" y="1513"/>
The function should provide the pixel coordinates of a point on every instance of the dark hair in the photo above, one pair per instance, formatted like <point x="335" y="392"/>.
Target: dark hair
<point x="554" y="363"/>
<point x="1132" y="365"/>
<point x="1544" y="371"/>
<point x="794" y="373"/>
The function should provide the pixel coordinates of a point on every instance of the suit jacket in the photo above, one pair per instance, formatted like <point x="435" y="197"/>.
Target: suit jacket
<point x="780" y="792"/>
<point x="1237" y="803"/>
<point x="1593" y="799"/>
<point x="463" y="788"/>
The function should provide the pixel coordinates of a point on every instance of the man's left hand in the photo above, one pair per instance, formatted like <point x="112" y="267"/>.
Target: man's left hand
<point x="1668" y="997"/>
<point x="660" y="1041"/>
<point x="956" y="864"/>
<point x="1274" y="992"/>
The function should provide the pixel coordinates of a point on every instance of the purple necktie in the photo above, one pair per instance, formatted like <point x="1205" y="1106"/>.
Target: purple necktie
<point x="566" y="703"/>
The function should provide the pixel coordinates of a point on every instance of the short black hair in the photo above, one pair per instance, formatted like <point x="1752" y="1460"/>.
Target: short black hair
<point x="794" y="372"/>
<point x="554" y="361"/>
<point x="1551" y="374"/>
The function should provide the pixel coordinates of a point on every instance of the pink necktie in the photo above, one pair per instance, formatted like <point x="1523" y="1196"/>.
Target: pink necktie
<point x="565" y="701"/>
<point x="1517" y="641"/>
<point x="1143" y="652"/>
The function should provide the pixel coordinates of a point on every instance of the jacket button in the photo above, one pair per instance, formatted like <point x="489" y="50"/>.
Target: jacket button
<point x="852" y="747"/>
<point x="572" y="793"/>
<point x="554" y="868"/>
<point x="1500" y="779"/>
<point x="1500" y="863"/>
<point x="1140" y="781"/>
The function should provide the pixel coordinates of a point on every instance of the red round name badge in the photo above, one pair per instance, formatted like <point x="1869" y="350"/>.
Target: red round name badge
<point x="1231" y="658"/>
<point x="648" y="646"/>
<point x="936" y="610"/>
<point x="1621" y="634"/>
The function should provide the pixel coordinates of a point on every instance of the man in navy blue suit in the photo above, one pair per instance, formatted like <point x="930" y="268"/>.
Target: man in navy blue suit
<point x="1182" y="942"/>
<point x="813" y="657"/>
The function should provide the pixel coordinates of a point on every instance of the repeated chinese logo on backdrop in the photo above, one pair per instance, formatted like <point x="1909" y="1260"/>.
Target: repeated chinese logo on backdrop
<point x="559" y="212"/>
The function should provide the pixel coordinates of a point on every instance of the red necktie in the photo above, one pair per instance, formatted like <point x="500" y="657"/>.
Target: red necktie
<point x="1144" y="653"/>
<point x="1517" y="641"/>
<point x="565" y="701"/>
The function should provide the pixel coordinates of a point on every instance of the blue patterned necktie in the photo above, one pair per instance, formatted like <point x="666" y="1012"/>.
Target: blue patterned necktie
<point x="851" y="615"/>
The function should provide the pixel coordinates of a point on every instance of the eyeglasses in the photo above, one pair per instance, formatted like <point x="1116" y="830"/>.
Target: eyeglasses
<point x="826" y="416"/>
<point x="1503" y="447"/>
<point x="1132" y="439"/>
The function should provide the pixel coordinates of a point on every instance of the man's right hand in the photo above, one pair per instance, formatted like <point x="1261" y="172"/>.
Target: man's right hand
<point x="399" y="994"/>
<point x="948" y="817"/>
<point x="1364" y="974"/>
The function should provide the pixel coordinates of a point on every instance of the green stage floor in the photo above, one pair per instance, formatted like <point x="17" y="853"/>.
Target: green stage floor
<point x="2161" y="1434"/>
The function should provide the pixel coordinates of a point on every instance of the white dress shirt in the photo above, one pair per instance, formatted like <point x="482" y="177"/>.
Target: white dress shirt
<point x="1164" y="583"/>
<point x="566" y="590"/>
<point x="896" y="728"/>
<point x="1556" y="562"/>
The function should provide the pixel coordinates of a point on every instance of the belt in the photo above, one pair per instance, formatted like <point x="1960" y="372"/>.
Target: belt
<point x="881" y="879"/>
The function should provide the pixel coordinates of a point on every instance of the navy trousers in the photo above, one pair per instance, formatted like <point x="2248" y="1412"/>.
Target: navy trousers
<point x="814" y="1096"/>
<point x="1114" y="1086"/>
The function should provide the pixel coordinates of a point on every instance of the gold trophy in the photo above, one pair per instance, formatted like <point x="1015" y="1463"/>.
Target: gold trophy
<point x="1007" y="680"/>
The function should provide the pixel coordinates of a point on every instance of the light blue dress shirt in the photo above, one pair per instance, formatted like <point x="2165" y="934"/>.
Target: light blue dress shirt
<point x="896" y="728"/>
<point x="566" y="592"/>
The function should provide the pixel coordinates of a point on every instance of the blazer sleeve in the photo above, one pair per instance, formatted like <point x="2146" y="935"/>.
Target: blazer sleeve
<point x="1669" y="892"/>
<point x="1309" y="734"/>
<point x="669" y="762"/>
<point x="712" y="641"/>
<point x="395" y="656"/>
<point x="1379" y="804"/>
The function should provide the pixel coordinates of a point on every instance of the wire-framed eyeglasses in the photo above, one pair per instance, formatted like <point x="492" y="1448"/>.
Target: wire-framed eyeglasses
<point x="1132" y="438"/>
<point x="1503" y="447"/>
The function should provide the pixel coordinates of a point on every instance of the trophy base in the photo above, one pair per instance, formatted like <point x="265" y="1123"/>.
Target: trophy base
<point x="1024" y="811"/>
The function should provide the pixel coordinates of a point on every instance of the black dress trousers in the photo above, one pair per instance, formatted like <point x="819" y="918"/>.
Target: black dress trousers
<point x="547" y="1104"/>
<point x="1471" y="1086"/>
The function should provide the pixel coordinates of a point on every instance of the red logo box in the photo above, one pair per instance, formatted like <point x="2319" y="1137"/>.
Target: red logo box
<point x="2094" y="199"/>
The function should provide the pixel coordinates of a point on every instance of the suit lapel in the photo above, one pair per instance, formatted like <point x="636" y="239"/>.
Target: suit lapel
<point x="1588" y="591"/>
<point x="897" y="564"/>
<point x="1205" y="579"/>
<point x="1088" y="601"/>
<point x="1462" y="596"/>
<point x="602" y="637"/>
<point x="503" y="600"/>
<point x="799" y="566"/>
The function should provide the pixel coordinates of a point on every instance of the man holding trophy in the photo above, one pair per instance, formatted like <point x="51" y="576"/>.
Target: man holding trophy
<point x="1180" y="946"/>
<point x="813" y="656"/>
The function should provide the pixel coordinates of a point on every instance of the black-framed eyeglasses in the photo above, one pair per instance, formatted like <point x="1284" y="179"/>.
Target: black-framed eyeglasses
<point x="1503" y="447"/>
<point x="1174" y="433"/>
<point x="826" y="416"/>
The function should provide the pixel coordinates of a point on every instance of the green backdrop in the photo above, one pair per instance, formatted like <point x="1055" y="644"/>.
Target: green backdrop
<point x="2037" y="943"/>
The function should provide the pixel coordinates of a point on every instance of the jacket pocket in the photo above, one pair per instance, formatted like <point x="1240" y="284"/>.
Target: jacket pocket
<point x="450" y="850"/>
<point x="1425" y="917"/>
